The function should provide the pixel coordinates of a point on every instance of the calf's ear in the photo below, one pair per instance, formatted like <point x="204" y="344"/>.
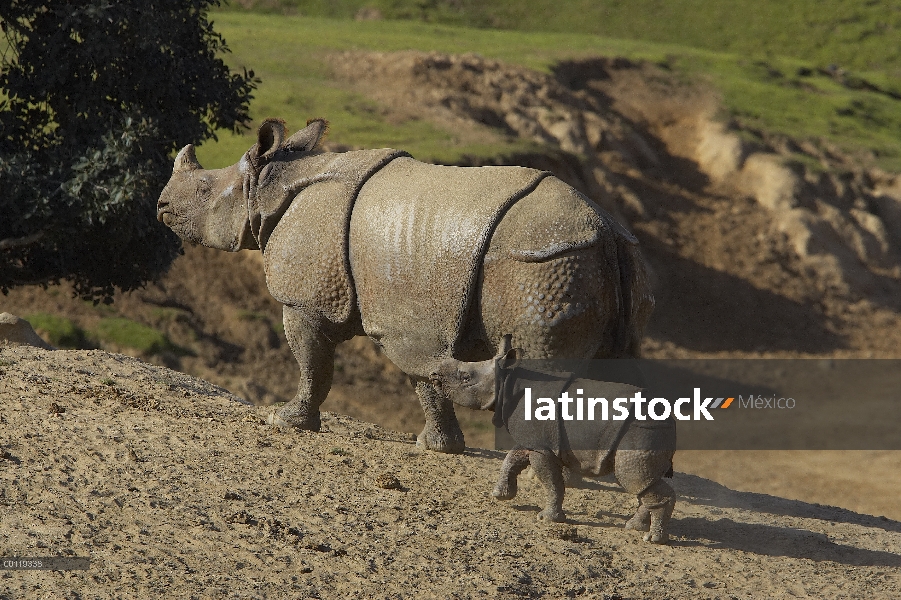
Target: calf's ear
<point x="506" y="345"/>
<point x="308" y="138"/>
<point x="509" y="358"/>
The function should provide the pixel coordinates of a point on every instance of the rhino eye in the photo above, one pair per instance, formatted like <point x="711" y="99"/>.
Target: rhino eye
<point x="203" y="188"/>
<point x="464" y="377"/>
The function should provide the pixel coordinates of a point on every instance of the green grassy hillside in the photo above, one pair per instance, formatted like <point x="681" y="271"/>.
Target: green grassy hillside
<point x="857" y="34"/>
<point x="796" y="96"/>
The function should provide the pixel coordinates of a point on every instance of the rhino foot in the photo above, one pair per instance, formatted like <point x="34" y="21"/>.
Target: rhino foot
<point x="276" y="421"/>
<point x="285" y="419"/>
<point x="555" y="516"/>
<point x="657" y="503"/>
<point x="432" y="439"/>
<point x="656" y="536"/>
<point x="641" y="521"/>
<point x="504" y="491"/>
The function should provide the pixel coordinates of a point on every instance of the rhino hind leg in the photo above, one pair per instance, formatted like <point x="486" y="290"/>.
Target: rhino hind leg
<point x="314" y="351"/>
<point x="550" y="473"/>
<point x="442" y="432"/>
<point x="640" y="472"/>
<point x="514" y="464"/>
<point x="641" y="520"/>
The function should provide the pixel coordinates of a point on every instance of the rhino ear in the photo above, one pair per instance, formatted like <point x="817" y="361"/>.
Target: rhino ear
<point x="186" y="160"/>
<point x="308" y="138"/>
<point x="270" y="137"/>
<point x="506" y="345"/>
<point x="509" y="358"/>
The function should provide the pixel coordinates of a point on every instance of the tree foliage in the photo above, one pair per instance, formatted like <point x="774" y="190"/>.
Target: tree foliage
<point x="95" y="95"/>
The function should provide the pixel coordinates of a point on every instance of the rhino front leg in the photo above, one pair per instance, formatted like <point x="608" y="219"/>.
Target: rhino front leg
<point x="315" y="355"/>
<point x="550" y="473"/>
<point x="514" y="463"/>
<point x="442" y="432"/>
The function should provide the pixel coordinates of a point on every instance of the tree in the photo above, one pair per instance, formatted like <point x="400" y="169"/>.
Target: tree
<point x="95" y="96"/>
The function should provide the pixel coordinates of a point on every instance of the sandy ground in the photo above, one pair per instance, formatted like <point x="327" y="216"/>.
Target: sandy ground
<point x="177" y="490"/>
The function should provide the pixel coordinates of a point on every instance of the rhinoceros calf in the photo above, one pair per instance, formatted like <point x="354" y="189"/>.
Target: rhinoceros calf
<point x="429" y="261"/>
<point x="638" y="452"/>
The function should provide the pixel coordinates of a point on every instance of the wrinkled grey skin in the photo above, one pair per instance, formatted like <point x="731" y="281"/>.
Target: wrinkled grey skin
<point x="639" y="471"/>
<point x="430" y="262"/>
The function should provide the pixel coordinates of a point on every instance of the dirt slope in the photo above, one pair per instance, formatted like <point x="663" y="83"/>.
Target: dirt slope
<point x="175" y="489"/>
<point x="734" y="273"/>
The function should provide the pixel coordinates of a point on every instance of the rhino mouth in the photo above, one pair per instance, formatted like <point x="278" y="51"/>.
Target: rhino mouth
<point x="169" y="219"/>
<point x="161" y="212"/>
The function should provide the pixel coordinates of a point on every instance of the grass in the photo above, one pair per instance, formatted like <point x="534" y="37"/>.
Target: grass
<point x="858" y="35"/>
<point x="288" y="53"/>
<point x="760" y="89"/>
<point x="167" y="313"/>
<point x="122" y="332"/>
<point x="60" y="331"/>
<point x="131" y="334"/>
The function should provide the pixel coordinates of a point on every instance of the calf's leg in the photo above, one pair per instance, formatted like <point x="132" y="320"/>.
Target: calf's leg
<point x="514" y="463"/>
<point x="641" y="520"/>
<point x="550" y="473"/>
<point x="659" y="501"/>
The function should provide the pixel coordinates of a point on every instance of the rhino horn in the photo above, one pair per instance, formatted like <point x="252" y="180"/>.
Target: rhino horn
<point x="309" y="137"/>
<point x="186" y="160"/>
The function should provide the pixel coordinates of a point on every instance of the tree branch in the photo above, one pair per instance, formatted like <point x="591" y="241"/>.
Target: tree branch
<point x="27" y="240"/>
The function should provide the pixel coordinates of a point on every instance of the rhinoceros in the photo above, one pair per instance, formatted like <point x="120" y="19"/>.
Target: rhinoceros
<point x="638" y="452"/>
<point x="429" y="261"/>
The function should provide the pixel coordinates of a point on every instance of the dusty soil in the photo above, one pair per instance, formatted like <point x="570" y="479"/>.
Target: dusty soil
<point x="730" y="280"/>
<point x="176" y="489"/>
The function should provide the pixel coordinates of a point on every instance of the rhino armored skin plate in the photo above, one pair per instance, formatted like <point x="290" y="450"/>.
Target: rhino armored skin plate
<point x="431" y="262"/>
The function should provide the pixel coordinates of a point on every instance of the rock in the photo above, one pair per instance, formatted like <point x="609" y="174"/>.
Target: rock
<point x="771" y="183"/>
<point x="18" y="332"/>
<point x="388" y="481"/>
<point x="888" y="204"/>
<point x="719" y="154"/>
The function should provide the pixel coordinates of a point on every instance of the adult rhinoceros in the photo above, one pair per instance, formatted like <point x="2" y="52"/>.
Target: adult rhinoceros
<point x="429" y="261"/>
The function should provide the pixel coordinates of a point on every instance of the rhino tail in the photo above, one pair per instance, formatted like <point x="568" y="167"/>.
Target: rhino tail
<point x="637" y="300"/>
